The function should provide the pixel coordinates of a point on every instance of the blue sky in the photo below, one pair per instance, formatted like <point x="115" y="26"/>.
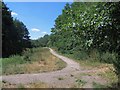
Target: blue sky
<point x="37" y="16"/>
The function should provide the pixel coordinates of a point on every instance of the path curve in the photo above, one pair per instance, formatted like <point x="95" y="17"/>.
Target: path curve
<point x="50" y="78"/>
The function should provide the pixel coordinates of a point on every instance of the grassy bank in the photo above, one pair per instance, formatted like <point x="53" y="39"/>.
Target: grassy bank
<point x="34" y="60"/>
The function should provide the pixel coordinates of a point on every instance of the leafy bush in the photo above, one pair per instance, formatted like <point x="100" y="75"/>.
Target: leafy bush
<point x="108" y="57"/>
<point x="80" y="55"/>
<point x="13" y="60"/>
<point x="117" y="65"/>
<point x="105" y="57"/>
<point x="95" y="55"/>
<point x="27" y="55"/>
<point x="10" y="64"/>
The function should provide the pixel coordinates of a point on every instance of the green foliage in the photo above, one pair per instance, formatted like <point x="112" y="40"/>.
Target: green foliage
<point x="41" y="42"/>
<point x="108" y="57"/>
<point x="27" y="55"/>
<point x="13" y="59"/>
<point x="117" y="65"/>
<point x="95" y="55"/>
<point x="14" y="63"/>
<point x="80" y="55"/>
<point x="98" y="86"/>
<point x="11" y="63"/>
<point x="84" y="27"/>
<point x="14" y="34"/>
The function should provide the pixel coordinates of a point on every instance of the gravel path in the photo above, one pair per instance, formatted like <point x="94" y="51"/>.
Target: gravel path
<point x="64" y="78"/>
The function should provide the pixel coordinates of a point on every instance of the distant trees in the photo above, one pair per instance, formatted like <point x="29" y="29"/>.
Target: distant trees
<point x="41" y="42"/>
<point x="14" y="34"/>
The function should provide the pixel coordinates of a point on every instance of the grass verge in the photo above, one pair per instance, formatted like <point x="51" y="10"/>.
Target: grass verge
<point x="34" y="60"/>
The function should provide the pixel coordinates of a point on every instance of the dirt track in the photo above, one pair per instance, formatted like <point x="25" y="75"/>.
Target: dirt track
<point x="64" y="78"/>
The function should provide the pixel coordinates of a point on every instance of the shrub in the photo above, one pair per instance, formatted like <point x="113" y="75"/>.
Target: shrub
<point x="12" y="60"/>
<point x="108" y="57"/>
<point x="95" y="55"/>
<point x="80" y="55"/>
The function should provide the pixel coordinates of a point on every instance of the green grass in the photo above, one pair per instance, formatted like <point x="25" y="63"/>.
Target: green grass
<point x="0" y="66"/>
<point x="10" y="65"/>
<point x="33" y="60"/>
<point x="96" y="86"/>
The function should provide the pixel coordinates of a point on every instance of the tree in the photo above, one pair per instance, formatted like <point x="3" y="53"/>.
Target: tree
<point x="14" y="34"/>
<point x="7" y="29"/>
<point x="22" y="35"/>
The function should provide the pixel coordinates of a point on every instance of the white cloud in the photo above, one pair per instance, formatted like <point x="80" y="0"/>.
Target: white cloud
<point x="35" y="30"/>
<point x="14" y="14"/>
<point x="34" y="38"/>
<point x="44" y="32"/>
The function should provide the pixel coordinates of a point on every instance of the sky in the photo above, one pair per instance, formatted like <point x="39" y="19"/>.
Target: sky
<point x="38" y="17"/>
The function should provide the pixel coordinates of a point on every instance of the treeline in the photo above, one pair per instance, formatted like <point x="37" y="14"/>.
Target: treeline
<point x="41" y="42"/>
<point x="15" y="35"/>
